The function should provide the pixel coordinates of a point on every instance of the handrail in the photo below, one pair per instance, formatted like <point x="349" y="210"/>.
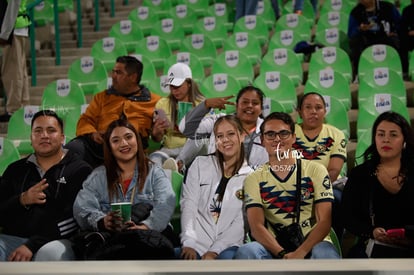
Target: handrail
<point x="57" y="31"/>
<point x="29" y="8"/>
<point x="79" y="22"/>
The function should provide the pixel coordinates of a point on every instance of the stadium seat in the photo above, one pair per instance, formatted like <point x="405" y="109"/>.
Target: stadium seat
<point x="331" y="57"/>
<point x="285" y="39"/>
<point x="333" y="37"/>
<point x="159" y="86"/>
<point x="8" y="154"/>
<point x="375" y="105"/>
<point x="364" y="141"/>
<point x="265" y="11"/>
<point x="381" y="80"/>
<point x="71" y="121"/>
<point x="202" y="46"/>
<point x="295" y="22"/>
<point x="87" y="72"/>
<point x="246" y="43"/>
<point x="128" y="32"/>
<point x="236" y="64"/>
<point x="379" y="55"/>
<point x="145" y="17"/>
<point x="103" y="85"/>
<point x="171" y="31"/>
<point x="107" y="50"/>
<point x="63" y="96"/>
<point x="214" y="30"/>
<point x="184" y="16"/>
<point x="254" y="25"/>
<point x="155" y="48"/>
<point x="43" y="14"/>
<point x="333" y="19"/>
<point x="161" y="7"/>
<point x="344" y="6"/>
<point x="278" y="87"/>
<point x="191" y="60"/>
<point x="337" y="115"/>
<point x="328" y="82"/>
<point x="217" y="85"/>
<point x="284" y="60"/>
<point x="19" y="128"/>
<point x="199" y="6"/>
<point x="220" y="12"/>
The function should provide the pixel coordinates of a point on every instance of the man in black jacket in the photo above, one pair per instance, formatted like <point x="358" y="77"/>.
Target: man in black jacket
<point x="37" y="195"/>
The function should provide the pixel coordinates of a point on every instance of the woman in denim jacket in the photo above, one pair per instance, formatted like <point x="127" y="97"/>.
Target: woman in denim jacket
<point x="126" y="176"/>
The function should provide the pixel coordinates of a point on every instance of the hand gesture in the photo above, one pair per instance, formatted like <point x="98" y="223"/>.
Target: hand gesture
<point x="219" y="102"/>
<point x="21" y="254"/>
<point x="209" y="255"/>
<point x="113" y="221"/>
<point x="35" y="194"/>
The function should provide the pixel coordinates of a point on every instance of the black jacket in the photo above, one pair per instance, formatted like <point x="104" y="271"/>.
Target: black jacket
<point x="52" y="220"/>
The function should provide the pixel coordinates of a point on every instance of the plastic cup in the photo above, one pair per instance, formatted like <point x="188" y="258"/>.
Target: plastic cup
<point x="123" y="209"/>
<point x="183" y="108"/>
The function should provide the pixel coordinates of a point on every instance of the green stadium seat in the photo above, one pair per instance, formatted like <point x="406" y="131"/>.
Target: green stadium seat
<point x="333" y="37"/>
<point x="159" y="86"/>
<point x="87" y="71"/>
<point x="337" y="115"/>
<point x="278" y="87"/>
<point x="221" y="14"/>
<point x="333" y="19"/>
<point x="284" y="60"/>
<point x="161" y="7"/>
<point x="265" y="11"/>
<point x="184" y="16"/>
<point x="286" y="39"/>
<point x="64" y="96"/>
<point x="234" y="63"/>
<point x="146" y="18"/>
<point x="8" y="154"/>
<point x="202" y="46"/>
<point x="155" y="48"/>
<point x="254" y="25"/>
<point x="127" y="31"/>
<point x="19" y="128"/>
<point x="246" y="43"/>
<point x="295" y="22"/>
<point x="214" y="30"/>
<point x="149" y="73"/>
<point x="107" y="50"/>
<point x="171" y="31"/>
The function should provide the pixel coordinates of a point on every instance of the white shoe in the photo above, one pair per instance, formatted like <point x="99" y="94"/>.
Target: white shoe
<point x="171" y="164"/>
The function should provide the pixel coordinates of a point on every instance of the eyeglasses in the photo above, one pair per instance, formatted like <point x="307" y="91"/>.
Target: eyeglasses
<point x="271" y="135"/>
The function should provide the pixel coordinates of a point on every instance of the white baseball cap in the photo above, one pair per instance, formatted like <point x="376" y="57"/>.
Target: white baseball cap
<point x="178" y="73"/>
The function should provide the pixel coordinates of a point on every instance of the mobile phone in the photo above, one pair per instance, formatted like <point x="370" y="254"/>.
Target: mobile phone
<point x="396" y="232"/>
<point x="160" y="114"/>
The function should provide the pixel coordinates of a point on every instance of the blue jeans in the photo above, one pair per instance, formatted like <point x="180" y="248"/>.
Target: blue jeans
<point x="299" y="5"/>
<point x="254" y="250"/>
<point x="245" y="7"/>
<point x="226" y="254"/>
<point x="58" y="250"/>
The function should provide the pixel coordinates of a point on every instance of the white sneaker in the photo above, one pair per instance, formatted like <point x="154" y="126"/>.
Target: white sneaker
<point x="171" y="164"/>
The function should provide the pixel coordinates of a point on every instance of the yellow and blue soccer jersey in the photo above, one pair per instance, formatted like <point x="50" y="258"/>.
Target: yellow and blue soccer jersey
<point x="329" y="143"/>
<point x="263" y="188"/>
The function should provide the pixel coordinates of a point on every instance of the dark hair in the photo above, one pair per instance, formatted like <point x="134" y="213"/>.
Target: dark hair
<point x="132" y="65"/>
<point x="304" y="96"/>
<point x="47" y="113"/>
<point x="407" y="155"/>
<point x="250" y="88"/>
<point x="111" y="165"/>
<point x="285" y="117"/>
<point x="233" y="120"/>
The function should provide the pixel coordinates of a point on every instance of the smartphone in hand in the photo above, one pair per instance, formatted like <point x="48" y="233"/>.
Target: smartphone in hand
<point x="396" y="232"/>
<point x="161" y="115"/>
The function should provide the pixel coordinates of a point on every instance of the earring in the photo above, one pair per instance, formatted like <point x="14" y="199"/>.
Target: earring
<point x="405" y="144"/>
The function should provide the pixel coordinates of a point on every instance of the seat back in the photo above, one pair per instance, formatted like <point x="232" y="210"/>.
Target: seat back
<point x="284" y="60"/>
<point x="63" y="96"/>
<point x="221" y="14"/>
<point x="364" y="141"/>
<point x="295" y="22"/>
<point x="285" y="39"/>
<point x="155" y="48"/>
<point x="191" y="60"/>
<point x="71" y="121"/>
<point x="8" y="153"/>
<point x="202" y="46"/>
<point x="199" y="6"/>
<point x="43" y="13"/>
<point x="170" y="30"/>
<point x="379" y="55"/>
<point x="278" y="87"/>
<point x="184" y="16"/>
<point x="210" y="27"/>
<point x="107" y="50"/>
<point x="145" y="17"/>
<point x="87" y="71"/>
<point x="161" y="7"/>
<point x="128" y="32"/>
<point x="344" y="6"/>
<point x="19" y="128"/>
<point x="265" y="11"/>
<point x="376" y="104"/>
<point x="333" y="19"/>
<point x="381" y="80"/>
<point x="218" y="85"/>
<point x="246" y="43"/>
<point x="307" y="11"/>
<point x="333" y="37"/>
<point x="236" y="64"/>
<point x="159" y="86"/>
<point x="330" y="83"/>
<point x="254" y="25"/>
<point x="337" y="115"/>
<point x="331" y="57"/>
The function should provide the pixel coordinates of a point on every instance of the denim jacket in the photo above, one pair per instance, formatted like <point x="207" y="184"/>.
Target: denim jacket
<point x="93" y="203"/>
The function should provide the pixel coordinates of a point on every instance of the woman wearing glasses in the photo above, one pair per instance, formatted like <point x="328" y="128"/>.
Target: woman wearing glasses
<point x="278" y="191"/>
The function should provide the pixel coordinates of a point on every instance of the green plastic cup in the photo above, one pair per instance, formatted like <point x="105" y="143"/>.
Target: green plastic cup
<point x="123" y="209"/>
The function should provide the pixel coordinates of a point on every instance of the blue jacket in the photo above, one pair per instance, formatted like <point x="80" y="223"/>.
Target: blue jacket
<point x="93" y="202"/>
